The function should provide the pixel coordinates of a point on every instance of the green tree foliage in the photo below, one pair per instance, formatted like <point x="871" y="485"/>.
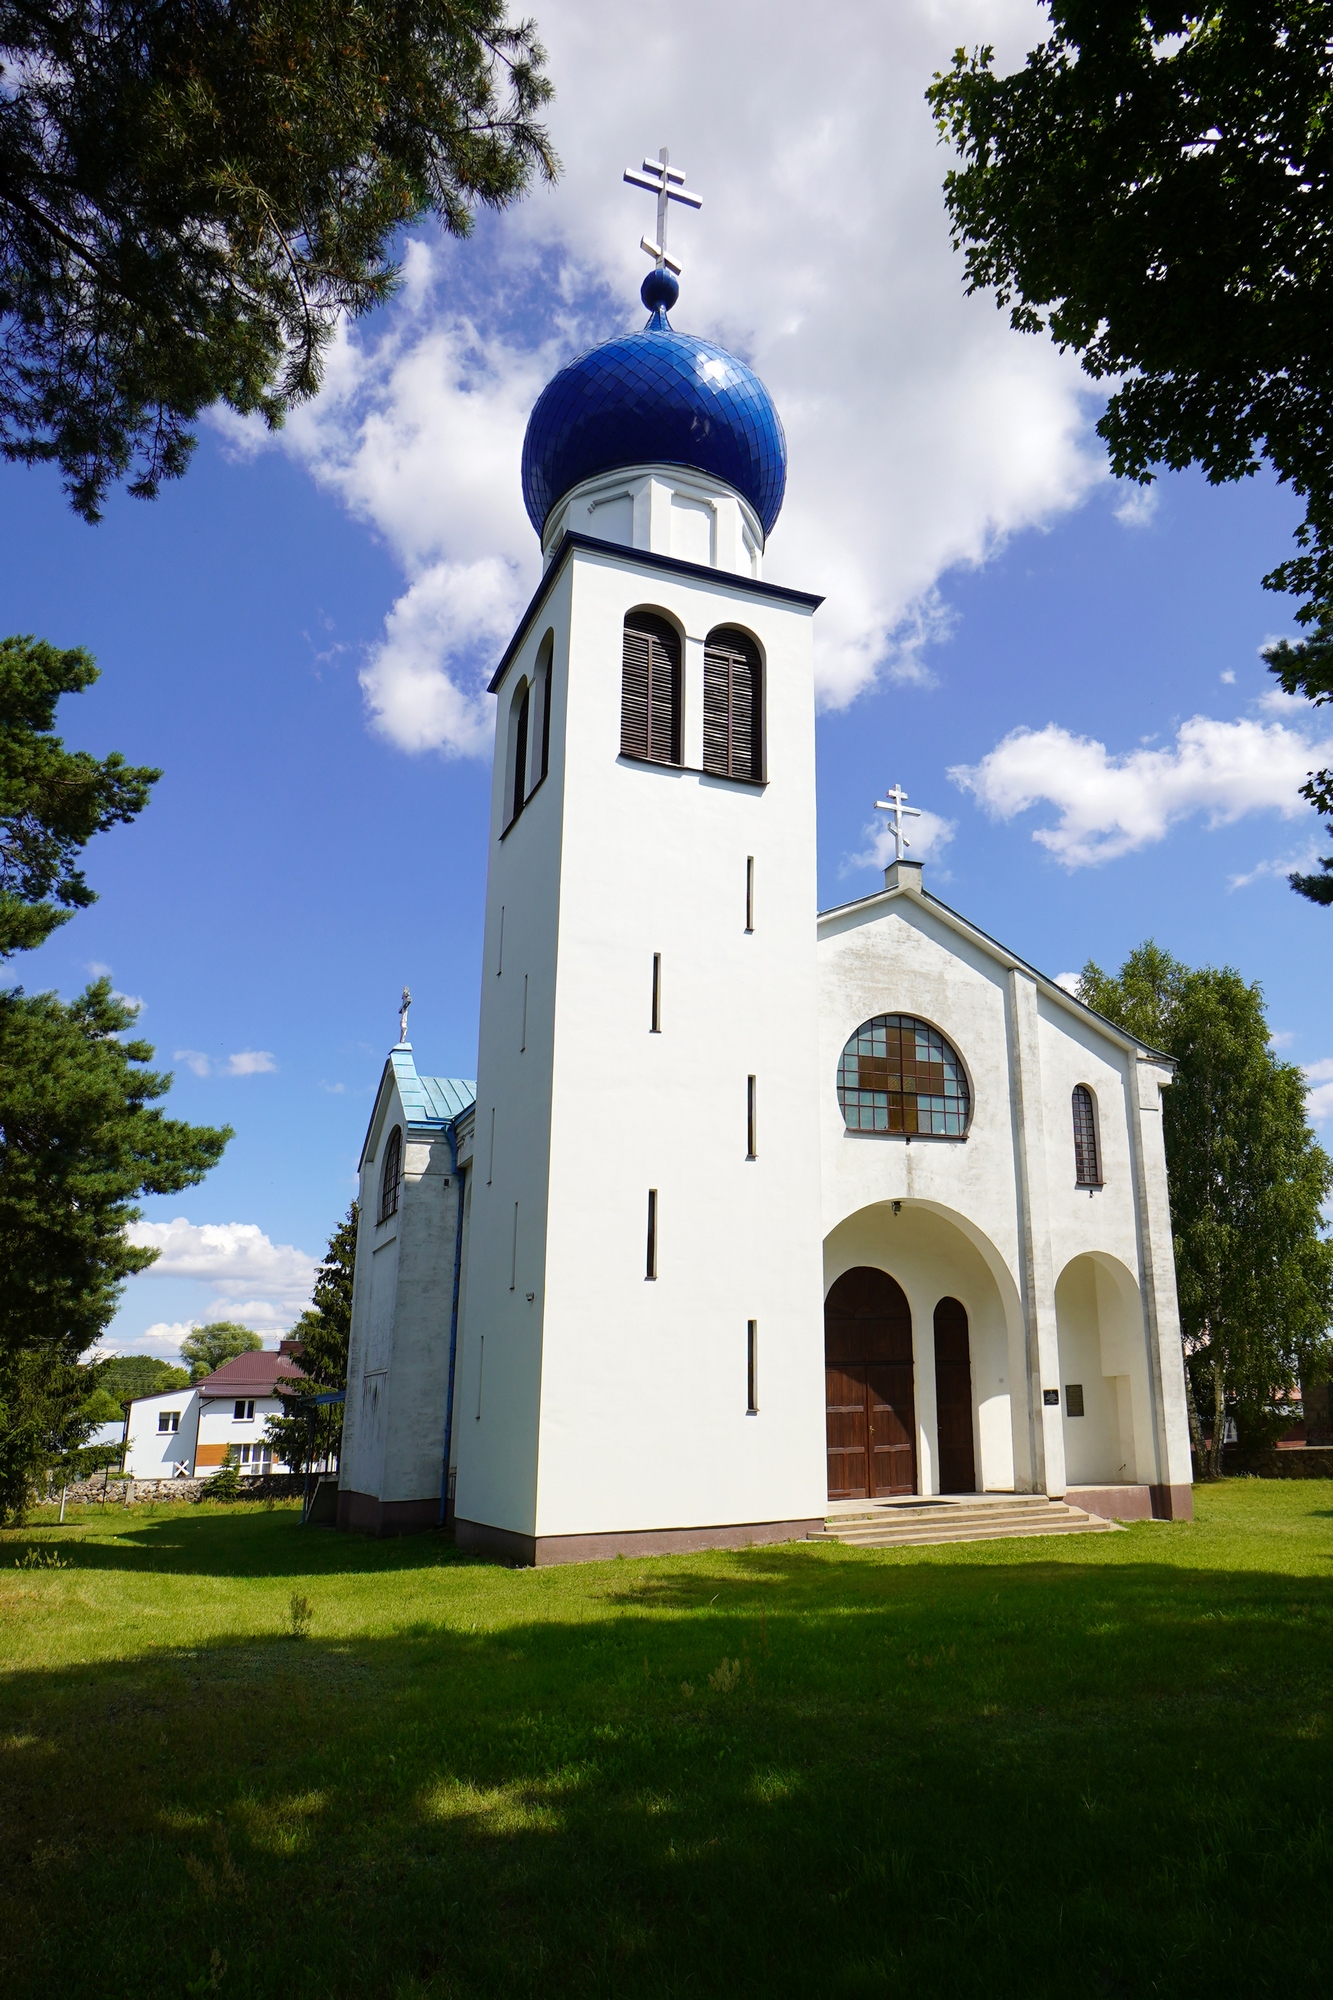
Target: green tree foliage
<point x="101" y="1407"/>
<point x="80" y="1139"/>
<point x="191" y="195"/>
<point x="52" y="800"/>
<point x="207" y="1347"/>
<point x="44" y="1422"/>
<point x="1155" y="186"/>
<point x="324" y="1330"/>
<point x="131" y="1375"/>
<point x="1248" y="1183"/>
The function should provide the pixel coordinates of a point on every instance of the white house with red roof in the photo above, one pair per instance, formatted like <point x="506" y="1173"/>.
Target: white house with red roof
<point x="187" y="1433"/>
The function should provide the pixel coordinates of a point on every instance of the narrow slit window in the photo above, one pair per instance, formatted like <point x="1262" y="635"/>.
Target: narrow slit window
<point x="500" y="951"/>
<point x="651" y="690"/>
<point x="490" y="1165"/>
<point x="656" y="1023"/>
<point x="733" y="705"/>
<point x="752" y="1368"/>
<point x="751" y="1118"/>
<point x="547" y="676"/>
<point x="651" y="1270"/>
<point x="481" y="1370"/>
<point x="749" y="892"/>
<point x="1087" y="1159"/>
<point x="523" y="1039"/>
<point x="513" y="1254"/>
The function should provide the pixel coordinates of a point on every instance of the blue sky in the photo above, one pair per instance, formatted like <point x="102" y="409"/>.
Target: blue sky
<point x="280" y="624"/>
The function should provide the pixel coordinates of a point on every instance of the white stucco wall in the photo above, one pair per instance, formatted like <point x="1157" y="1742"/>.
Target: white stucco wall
<point x="611" y="1402"/>
<point x="154" y="1454"/>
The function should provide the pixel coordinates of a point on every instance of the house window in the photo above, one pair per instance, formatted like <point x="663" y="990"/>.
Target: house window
<point x="733" y="705"/>
<point x="256" y="1457"/>
<point x="900" y="1075"/>
<point x="168" y="1420"/>
<point x="1087" y="1159"/>
<point x="650" y="690"/>
<point x="243" y="1412"/>
<point x="391" y="1179"/>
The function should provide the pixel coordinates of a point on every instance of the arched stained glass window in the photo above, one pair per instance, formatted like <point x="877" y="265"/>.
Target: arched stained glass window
<point x="391" y="1178"/>
<point x="898" y="1074"/>
<point x="1087" y="1159"/>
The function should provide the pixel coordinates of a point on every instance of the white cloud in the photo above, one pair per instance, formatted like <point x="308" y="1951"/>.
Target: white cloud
<point x="1071" y="983"/>
<point x="1111" y="805"/>
<point x="334" y="1089"/>
<point x="1279" y="867"/>
<point x="1319" y="1099"/>
<point x="162" y="1339"/>
<point x="922" y="431"/>
<point x="251" y="1062"/>
<point x="1281" y="1038"/>
<point x="1138" y="507"/>
<point x="926" y="836"/>
<point x="194" y="1059"/>
<point x="251" y="1278"/>
<point x="1228" y="677"/>
<point x="98" y="970"/>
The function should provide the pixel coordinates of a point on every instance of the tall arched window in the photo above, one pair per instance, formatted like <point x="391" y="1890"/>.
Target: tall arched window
<point x="545" y="667"/>
<point x="900" y="1075"/>
<point x="733" y="705"/>
<point x="520" y="773"/>
<point x="1087" y="1157"/>
<point x="391" y="1174"/>
<point x="650" y="690"/>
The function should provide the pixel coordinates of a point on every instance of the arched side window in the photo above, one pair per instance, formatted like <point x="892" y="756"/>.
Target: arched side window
<point x="391" y="1175"/>
<point x="545" y="667"/>
<point x="517" y="770"/>
<point x="1087" y="1153"/>
<point x="733" y="705"/>
<point x="898" y="1074"/>
<point x="650" y="690"/>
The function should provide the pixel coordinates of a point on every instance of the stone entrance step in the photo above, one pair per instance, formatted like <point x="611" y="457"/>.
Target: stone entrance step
<point x="914" y="1523"/>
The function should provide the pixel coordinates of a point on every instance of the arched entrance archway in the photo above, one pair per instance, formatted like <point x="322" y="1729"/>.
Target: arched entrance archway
<point x="870" y="1407"/>
<point x="953" y="1398"/>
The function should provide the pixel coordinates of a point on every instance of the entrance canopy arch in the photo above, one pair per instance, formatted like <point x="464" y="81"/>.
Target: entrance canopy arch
<point x="932" y="1254"/>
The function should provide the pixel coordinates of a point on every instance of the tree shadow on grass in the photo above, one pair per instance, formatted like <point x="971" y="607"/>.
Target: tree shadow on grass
<point x="770" y="1773"/>
<point x="250" y="1541"/>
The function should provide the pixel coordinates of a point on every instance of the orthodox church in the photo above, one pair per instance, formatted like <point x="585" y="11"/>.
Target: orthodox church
<point x="751" y="1212"/>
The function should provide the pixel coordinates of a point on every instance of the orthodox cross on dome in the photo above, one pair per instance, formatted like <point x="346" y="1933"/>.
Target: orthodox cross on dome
<point x="668" y="184"/>
<point x="403" y="1006"/>
<point x="898" y="810"/>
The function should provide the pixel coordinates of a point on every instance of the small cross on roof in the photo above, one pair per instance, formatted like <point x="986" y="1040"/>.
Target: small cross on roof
<point x="898" y="810"/>
<point x="668" y="184"/>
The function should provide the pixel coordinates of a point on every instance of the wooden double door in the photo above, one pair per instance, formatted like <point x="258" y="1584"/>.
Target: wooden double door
<point x="870" y="1400"/>
<point x="870" y="1405"/>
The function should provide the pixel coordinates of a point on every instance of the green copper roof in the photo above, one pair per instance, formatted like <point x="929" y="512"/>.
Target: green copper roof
<point x="429" y="1100"/>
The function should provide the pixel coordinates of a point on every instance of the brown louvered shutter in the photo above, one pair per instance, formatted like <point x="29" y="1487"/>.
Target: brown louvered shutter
<point x="733" y="706"/>
<point x="650" y="692"/>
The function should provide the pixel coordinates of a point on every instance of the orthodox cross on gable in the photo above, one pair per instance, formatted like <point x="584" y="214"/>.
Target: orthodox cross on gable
<point x="896" y="806"/>
<point x="668" y="184"/>
<point x="403" y="1006"/>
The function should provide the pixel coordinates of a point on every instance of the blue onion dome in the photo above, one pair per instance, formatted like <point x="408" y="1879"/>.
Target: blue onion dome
<point x="655" y="398"/>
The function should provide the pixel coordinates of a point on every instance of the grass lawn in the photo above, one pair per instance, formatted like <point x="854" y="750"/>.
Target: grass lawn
<point x="1092" y="1767"/>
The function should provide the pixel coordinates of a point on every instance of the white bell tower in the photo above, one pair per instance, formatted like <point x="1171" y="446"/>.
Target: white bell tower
<point x="643" y="1364"/>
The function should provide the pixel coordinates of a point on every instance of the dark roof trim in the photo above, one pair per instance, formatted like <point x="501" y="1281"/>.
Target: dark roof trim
<point x="749" y="586"/>
<point x="1122" y="1035"/>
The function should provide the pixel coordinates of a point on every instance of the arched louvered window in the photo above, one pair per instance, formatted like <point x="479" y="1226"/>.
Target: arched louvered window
<point x="650" y="690"/>
<point x="545" y="668"/>
<point x="391" y="1175"/>
<point x="1087" y="1157"/>
<point x="733" y="705"/>
<point x="900" y="1075"/>
<point x="520" y="772"/>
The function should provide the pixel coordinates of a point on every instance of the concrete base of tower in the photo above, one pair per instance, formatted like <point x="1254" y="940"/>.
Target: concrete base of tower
<point x="363" y="1514"/>
<point x="539" y="1551"/>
